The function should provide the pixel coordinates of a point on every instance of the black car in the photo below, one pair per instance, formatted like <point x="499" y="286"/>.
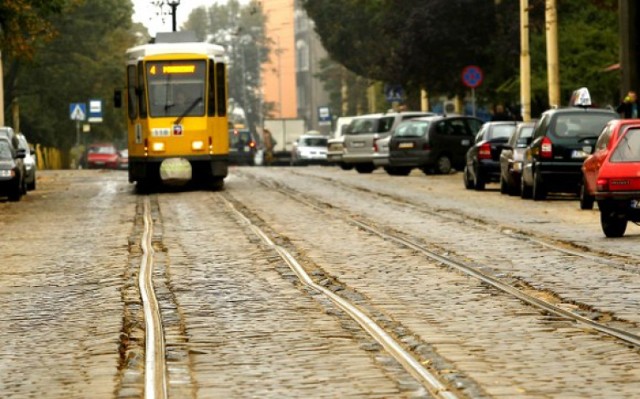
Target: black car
<point x="433" y="144"/>
<point x="562" y="139"/>
<point x="511" y="158"/>
<point x="483" y="158"/>
<point x="12" y="172"/>
<point x="244" y="145"/>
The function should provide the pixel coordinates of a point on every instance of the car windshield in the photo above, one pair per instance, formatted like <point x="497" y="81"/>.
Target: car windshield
<point x="102" y="150"/>
<point x="581" y="124"/>
<point x="5" y="150"/>
<point x="239" y="136"/>
<point x="412" y="129"/>
<point x="370" y="125"/>
<point x="314" y="141"/>
<point x="501" y="131"/>
<point x="628" y="147"/>
<point x="526" y="132"/>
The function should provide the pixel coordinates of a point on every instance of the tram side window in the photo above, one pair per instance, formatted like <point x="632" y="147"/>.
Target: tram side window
<point x="132" y="99"/>
<point x="142" y="92"/>
<point x="221" y="88"/>
<point x="211" y="107"/>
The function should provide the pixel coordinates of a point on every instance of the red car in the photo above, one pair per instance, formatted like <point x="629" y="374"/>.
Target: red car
<point x="614" y="170"/>
<point x="591" y="166"/>
<point x="102" y="156"/>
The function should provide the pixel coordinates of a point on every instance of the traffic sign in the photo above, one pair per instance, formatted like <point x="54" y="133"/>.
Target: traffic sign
<point x="77" y="111"/>
<point x="472" y="76"/>
<point x="393" y="92"/>
<point x="324" y="116"/>
<point x="95" y="111"/>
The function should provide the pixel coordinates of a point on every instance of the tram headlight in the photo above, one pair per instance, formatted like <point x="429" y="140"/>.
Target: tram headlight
<point x="158" y="146"/>
<point x="197" y="145"/>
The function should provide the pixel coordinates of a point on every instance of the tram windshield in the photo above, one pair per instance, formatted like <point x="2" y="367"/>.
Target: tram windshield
<point x="176" y="88"/>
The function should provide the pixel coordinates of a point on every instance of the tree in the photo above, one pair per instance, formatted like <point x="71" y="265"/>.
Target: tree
<point x="85" y="60"/>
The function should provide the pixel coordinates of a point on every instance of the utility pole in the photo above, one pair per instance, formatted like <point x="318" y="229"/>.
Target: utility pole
<point x="1" y="92"/>
<point x="553" y="69"/>
<point x="525" y="62"/>
<point x="629" y="40"/>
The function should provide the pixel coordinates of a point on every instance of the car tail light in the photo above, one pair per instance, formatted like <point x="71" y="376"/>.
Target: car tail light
<point x="252" y="144"/>
<point x="602" y="185"/>
<point x="375" y="145"/>
<point x="546" y="148"/>
<point x="485" y="151"/>
<point x="426" y="147"/>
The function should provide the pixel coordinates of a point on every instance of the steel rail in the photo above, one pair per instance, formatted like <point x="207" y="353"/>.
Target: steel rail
<point x="413" y="366"/>
<point x="155" y="380"/>
<point x="628" y="337"/>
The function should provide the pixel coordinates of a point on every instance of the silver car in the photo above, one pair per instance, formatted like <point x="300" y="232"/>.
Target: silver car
<point x="29" y="162"/>
<point x="361" y="145"/>
<point x="309" y="149"/>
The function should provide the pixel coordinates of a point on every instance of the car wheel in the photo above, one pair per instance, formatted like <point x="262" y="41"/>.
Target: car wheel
<point x="613" y="224"/>
<point x="32" y="186"/>
<point x="504" y="186"/>
<point x="16" y="193"/>
<point x="525" y="190"/>
<point x="345" y="166"/>
<point x="478" y="181"/>
<point x="365" y="168"/>
<point x="468" y="183"/>
<point x="539" y="192"/>
<point x="586" y="199"/>
<point x="397" y="170"/>
<point x="443" y="165"/>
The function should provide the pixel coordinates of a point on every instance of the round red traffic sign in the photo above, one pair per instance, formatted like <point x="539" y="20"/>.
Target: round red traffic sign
<point x="472" y="76"/>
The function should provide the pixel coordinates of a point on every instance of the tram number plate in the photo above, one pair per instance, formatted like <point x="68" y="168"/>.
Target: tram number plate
<point x="161" y="132"/>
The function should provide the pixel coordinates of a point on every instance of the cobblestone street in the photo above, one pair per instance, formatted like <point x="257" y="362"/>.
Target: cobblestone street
<point x="239" y="323"/>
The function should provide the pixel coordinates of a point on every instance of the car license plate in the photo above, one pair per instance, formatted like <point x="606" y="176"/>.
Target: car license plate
<point x="357" y="144"/>
<point x="405" y="145"/>
<point x="578" y="154"/>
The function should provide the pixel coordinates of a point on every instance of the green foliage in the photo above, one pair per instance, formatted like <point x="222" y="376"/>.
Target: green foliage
<point x="427" y="44"/>
<point x="84" y="61"/>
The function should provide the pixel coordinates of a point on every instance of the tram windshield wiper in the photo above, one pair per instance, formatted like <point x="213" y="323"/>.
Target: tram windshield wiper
<point x="186" y="111"/>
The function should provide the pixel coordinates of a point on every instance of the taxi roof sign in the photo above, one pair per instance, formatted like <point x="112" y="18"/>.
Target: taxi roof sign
<point x="581" y="98"/>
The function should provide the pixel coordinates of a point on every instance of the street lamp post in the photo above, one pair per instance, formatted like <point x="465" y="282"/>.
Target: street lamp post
<point x="173" y="4"/>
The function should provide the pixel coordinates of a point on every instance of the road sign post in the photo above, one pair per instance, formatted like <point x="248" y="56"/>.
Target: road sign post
<point x="472" y="77"/>
<point x="77" y="112"/>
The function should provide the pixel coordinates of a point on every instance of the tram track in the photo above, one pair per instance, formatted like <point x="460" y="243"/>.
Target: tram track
<point x="532" y="296"/>
<point x="428" y="379"/>
<point x="620" y="262"/>
<point x="155" y="385"/>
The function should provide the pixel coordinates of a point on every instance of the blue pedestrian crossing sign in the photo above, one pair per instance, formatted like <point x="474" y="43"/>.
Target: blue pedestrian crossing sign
<point x="78" y="111"/>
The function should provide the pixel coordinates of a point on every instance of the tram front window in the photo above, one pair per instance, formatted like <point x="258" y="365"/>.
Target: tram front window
<point x="176" y="88"/>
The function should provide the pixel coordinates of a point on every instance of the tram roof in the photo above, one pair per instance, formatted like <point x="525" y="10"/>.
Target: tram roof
<point x="212" y="50"/>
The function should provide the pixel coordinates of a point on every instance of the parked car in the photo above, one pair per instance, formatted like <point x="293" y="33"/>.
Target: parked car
<point x="243" y="147"/>
<point x="29" y="162"/>
<point x="591" y="166"/>
<point x="511" y="158"/>
<point x="123" y="159"/>
<point x="12" y="171"/>
<point x="335" y="144"/>
<point x="618" y="184"/>
<point x="483" y="157"/>
<point x="432" y="144"/>
<point x="363" y="133"/>
<point x="102" y="156"/>
<point x="8" y="133"/>
<point x="562" y="140"/>
<point x="309" y="149"/>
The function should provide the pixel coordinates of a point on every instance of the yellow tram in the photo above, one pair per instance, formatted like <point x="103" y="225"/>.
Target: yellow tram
<point x="176" y="105"/>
